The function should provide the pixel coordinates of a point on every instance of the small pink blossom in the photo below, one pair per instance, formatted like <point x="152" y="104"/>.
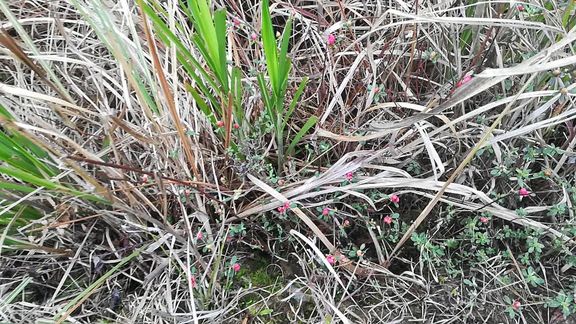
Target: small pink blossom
<point x="145" y="178"/>
<point x="395" y="199"/>
<point x="346" y="223"/>
<point x="187" y="192"/>
<point x="254" y="36"/>
<point x="520" y="7"/>
<point x="331" y="40"/>
<point x="330" y="258"/>
<point x="464" y="80"/>
<point x="326" y="211"/>
<point x="349" y="176"/>
<point x="193" y="281"/>
<point x="523" y="192"/>
<point x="287" y="205"/>
<point x="516" y="304"/>
<point x="281" y="209"/>
<point x="484" y="220"/>
<point x="376" y="89"/>
<point x="236" y="126"/>
<point x="199" y="236"/>
<point x="236" y="267"/>
<point x="220" y="123"/>
<point x="388" y="220"/>
<point x="236" y="22"/>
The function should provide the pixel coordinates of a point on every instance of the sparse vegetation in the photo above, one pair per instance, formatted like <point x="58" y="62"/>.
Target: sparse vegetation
<point x="271" y="162"/>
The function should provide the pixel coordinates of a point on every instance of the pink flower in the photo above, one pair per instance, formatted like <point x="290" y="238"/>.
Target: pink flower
<point x="331" y="40"/>
<point x="330" y="258"/>
<point x="520" y="7"/>
<point x="253" y="37"/>
<point x="220" y="123"/>
<point x="523" y="192"/>
<point x="193" y="281"/>
<point x="236" y="22"/>
<point x="376" y="89"/>
<point x="287" y="205"/>
<point x="199" y="236"/>
<point x="145" y="178"/>
<point x="388" y="220"/>
<point x="346" y="223"/>
<point x="464" y="80"/>
<point x="516" y="304"/>
<point x="325" y="211"/>
<point x="236" y="267"/>
<point x="484" y="220"/>
<point x="236" y="126"/>
<point x="186" y="192"/>
<point x="281" y="209"/>
<point x="349" y="176"/>
<point x="395" y="199"/>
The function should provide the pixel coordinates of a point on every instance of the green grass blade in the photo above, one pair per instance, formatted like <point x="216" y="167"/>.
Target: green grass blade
<point x="309" y="124"/>
<point x="74" y="303"/>
<point x="48" y="184"/>
<point x="237" y="94"/>
<point x="16" y="187"/>
<point x="220" y="26"/>
<point x="567" y="17"/>
<point x="32" y="179"/>
<point x="190" y="64"/>
<point x="269" y="43"/>
<point x="14" y="293"/>
<point x="294" y="101"/>
<point x="266" y="98"/>
<point x="17" y="155"/>
<point x="202" y="19"/>
<point x="200" y="45"/>
<point x="202" y="105"/>
<point x="283" y="61"/>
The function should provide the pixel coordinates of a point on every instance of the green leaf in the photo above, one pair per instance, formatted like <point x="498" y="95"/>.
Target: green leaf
<point x="568" y="16"/>
<point x="201" y="104"/>
<point x="184" y="56"/>
<point x="294" y="101"/>
<point x="266" y="98"/>
<point x="237" y="94"/>
<point x="220" y="26"/>
<point x="284" y="63"/>
<point x="202" y="19"/>
<point x="265" y="311"/>
<point x="309" y="124"/>
<point x="269" y="44"/>
<point x="15" y="292"/>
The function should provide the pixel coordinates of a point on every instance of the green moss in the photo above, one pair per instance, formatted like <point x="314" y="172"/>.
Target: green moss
<point x="257" y="274"/>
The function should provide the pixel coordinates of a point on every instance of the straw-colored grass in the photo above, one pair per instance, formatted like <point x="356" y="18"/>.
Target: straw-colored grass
<point x="149" y="148"/>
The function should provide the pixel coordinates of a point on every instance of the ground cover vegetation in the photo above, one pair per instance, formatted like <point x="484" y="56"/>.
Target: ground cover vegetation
<point x="303" y="161"/>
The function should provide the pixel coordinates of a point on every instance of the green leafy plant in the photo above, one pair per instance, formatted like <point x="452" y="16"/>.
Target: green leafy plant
<point x="532" y="277"/>
<point x="28" y="167"/>
<point x="211" y="39"/>
<point x="565" y="302"/>
<point x="278" y="68"/>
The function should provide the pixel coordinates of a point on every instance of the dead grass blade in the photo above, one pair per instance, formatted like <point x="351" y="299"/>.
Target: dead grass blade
<point x="168" y="95"/>
<point x="485" y="136"/>
<point x="340" y="257"/>
<point x="13" y="47"/>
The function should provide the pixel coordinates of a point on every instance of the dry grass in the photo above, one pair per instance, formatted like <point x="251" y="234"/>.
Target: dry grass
<point x="109" y="101"/>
